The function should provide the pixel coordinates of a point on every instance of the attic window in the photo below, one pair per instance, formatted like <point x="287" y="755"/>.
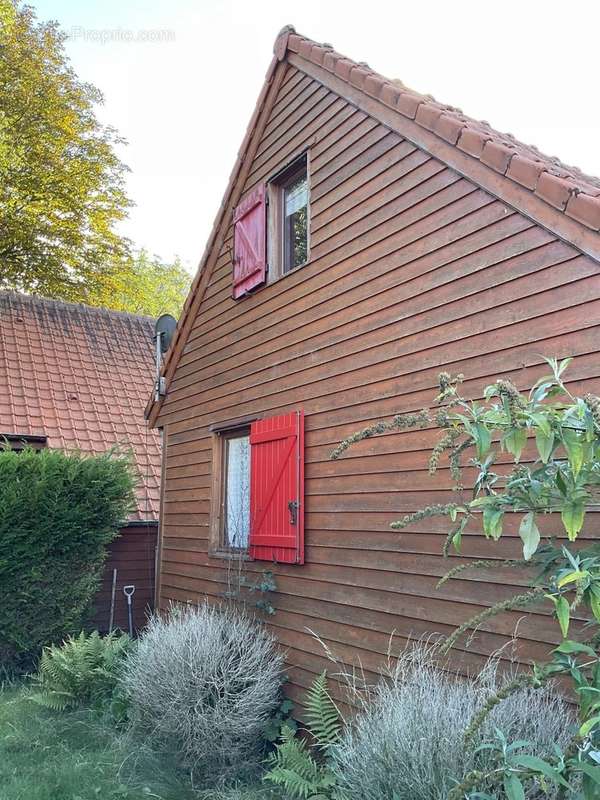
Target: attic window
<point x="16" y="441"/>
<point x="289" y="219"/>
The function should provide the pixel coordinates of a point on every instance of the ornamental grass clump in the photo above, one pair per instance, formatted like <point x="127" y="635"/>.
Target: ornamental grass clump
<point x="407" y="743"/>
<point x="202" y="685"/>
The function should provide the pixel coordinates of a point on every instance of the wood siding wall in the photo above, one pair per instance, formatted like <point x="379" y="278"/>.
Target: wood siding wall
<point x="133" y="555"/>
<point x="413" y="269"/>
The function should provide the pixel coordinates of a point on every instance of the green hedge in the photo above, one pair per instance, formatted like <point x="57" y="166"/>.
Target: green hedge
<point x="58" y="511"/>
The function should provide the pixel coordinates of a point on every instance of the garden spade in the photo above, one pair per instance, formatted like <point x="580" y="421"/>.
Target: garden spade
<point x="129" y="591"/>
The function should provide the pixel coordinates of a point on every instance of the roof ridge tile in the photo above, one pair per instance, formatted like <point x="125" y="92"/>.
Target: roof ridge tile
<point x="39" y="300"/>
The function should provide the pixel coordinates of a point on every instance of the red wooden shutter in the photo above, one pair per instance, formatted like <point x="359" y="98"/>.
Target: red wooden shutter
<point x="249" y="242"/>
<point x="277" y="489"/>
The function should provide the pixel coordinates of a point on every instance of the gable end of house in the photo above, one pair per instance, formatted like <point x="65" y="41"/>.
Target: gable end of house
<point x="555" y="196"/>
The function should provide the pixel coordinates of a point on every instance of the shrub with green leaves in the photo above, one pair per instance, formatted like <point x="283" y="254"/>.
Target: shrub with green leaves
<point x="552" y="441"/>
<point x="303" y="769"/>
<point x="83" y="671"/>
<point x="58" y="512"/>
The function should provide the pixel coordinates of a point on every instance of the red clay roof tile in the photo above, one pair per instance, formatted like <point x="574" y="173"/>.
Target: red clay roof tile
<point x="554" y="190"/>
<point x="294" y="41"/>
<point x="389" y="94"/>
<point x="318" y="54"/>
<point x="525" y="171"/>
<point x="374" y="84"/>
<point x="358" y="75"/>
<point x="497" y="156"/>
<point x="428" y="115"/>
<point x="305" y="48"/>
<point x="449" y="127"/>
<point x="408" y="103"/>
<point x="330" y="59"/>
<point x="472" y="141"/>
<point x="343" y="67"/>
<point x="81" y="377"/>
<point x="585" y="209"/>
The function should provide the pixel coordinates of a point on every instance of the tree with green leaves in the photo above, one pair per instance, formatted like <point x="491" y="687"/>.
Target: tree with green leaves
<point x="144" y="285"/>
<point x="62" y="184"/>
<point x="552" y="440"/>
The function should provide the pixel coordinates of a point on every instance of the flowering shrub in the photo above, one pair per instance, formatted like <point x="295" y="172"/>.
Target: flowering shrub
<point x="560" y="480"/>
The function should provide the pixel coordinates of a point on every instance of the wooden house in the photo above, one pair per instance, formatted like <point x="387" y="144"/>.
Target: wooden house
<point x="369" y="238"/>
<point x="77" y="378"/>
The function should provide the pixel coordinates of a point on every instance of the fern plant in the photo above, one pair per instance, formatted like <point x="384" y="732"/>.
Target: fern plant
<point x="82" y="671"/>
<point x="303" y="769"/>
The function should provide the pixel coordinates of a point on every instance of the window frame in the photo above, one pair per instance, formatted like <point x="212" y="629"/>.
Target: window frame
<point x="218" y="543"/>
<point x="276" y="186"/>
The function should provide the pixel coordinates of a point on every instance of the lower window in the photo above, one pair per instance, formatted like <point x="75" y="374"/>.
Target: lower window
<point x="236" y="490"/>
<point x="257" y="490"/>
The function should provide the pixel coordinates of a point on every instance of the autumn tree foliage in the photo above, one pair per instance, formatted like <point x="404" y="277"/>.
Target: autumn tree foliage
<point x="144" y="284"/>
<point x="62" y="184"/>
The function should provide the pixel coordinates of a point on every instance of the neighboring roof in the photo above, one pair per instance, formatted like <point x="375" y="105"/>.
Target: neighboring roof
<point x="559" y="197"/>
<point x="80" y="376"/>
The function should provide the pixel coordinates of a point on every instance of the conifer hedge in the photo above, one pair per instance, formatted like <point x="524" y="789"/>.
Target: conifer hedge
<point x="58" y="511"/>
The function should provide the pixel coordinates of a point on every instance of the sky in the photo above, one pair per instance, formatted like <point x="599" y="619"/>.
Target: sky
<point x="181" y="77"/>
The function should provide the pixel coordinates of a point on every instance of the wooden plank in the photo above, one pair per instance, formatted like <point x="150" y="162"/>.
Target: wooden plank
<point x="429" y="234"/>
<point x="354" y="368"/>
<point x="364" y="144"/>
<point x="389" y="389"/>
<point x="388" y="200"/>
<point x="510" y="237"/>
<point x="424" y="198"/>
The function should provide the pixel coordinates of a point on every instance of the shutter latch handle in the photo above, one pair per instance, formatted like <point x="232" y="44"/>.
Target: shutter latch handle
<point x="293" y="506"/>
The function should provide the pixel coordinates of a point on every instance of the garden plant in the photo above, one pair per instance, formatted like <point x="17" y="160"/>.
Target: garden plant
<point x="304" y="769"/>
<point x="85" y="671"/>
<point x="202" y="685"/>
<point x="405" y="741"/>
<point x="551" y="439"/>
<point x="58" y="513"/>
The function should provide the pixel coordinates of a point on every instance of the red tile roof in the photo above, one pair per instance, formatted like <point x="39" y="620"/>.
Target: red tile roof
<point x="81" y="377"/>
<point x="564" y="187"/>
